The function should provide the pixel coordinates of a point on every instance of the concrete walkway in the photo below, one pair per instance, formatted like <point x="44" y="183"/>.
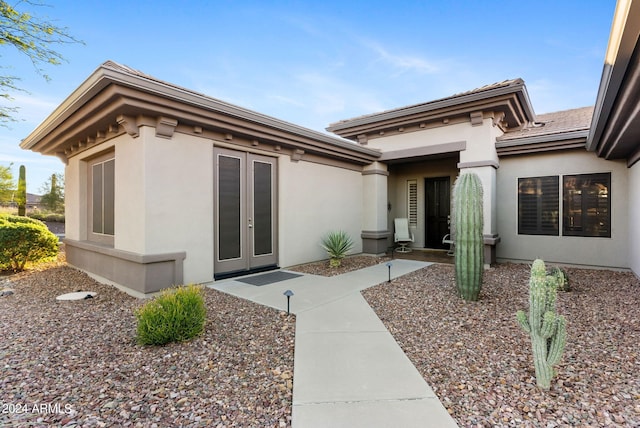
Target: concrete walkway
<point x="348" y="369"/>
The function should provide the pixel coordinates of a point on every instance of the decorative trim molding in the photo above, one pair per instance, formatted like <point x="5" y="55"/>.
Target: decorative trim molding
<point x="478" y="164"/>
<point x="129" y="124"/>
<point x="375" y="234"/>
<point x="165" y="127"/>
<point x="491" y="239"/>
<point x="476" y="118"/>
<point x="435" y="149"/>
<point x="296" y="155"/>
<point x="375" y="172"/>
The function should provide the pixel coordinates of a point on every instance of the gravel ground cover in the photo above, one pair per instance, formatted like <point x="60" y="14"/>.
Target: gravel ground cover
<point x="77" y="363"/>
<point x="348" y="264"/>
<point x="478" y="360"/>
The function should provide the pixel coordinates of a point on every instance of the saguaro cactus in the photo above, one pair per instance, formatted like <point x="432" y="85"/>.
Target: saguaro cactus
<point x="21" y="196"/>
<point x="469" y="244"/>
<point x="546" y="328"/>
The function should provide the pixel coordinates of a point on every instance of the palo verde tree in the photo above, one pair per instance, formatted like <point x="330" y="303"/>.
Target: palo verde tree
<point x="21" y="194"/>
<point x="31" y="36"/>
<point x="7" y="185"/>
<point x="53" y="193"/>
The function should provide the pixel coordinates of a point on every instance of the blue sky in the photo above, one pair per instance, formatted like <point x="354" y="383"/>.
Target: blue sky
<point x="316" y="62"/>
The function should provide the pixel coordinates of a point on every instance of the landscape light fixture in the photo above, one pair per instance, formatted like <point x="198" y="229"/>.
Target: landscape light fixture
<point x="389" y="266"/>
<point x="288" y="293"/>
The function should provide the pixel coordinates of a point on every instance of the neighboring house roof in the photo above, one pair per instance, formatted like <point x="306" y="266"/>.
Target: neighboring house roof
<point x="33" y="199"/>
<point x="615" y="133"/>
<point x="551" y="131"/>
<point x="117" y="98"/>
<point x="509" y="97"/>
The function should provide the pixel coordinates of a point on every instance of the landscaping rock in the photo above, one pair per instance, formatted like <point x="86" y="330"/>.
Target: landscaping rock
<point x="86" y="356"/>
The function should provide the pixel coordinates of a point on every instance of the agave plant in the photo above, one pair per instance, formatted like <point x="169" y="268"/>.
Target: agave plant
<point x="337" y="245"/>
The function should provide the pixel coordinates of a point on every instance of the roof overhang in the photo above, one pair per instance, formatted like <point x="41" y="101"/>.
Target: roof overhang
<point x="542" y="143"/>
<point x="615" y="129"/>
<point x="512" y="100"/>
<point x="97" y="106"/>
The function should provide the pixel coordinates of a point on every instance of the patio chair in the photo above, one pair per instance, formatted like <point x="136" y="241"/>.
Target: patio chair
<point x="402" y="236"/>
<point x="448" y="240"/>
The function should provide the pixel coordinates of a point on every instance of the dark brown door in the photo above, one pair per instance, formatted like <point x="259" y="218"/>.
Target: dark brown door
<point x="437" y="209"/>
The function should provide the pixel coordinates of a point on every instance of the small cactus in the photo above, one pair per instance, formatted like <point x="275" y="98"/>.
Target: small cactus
<point x="469" y="241"/>
<point x="546" y="328"/>
<point x="562" y="279"/>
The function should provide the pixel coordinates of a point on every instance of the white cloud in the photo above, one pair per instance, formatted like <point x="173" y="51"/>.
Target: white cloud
<point x="403" y="63"/>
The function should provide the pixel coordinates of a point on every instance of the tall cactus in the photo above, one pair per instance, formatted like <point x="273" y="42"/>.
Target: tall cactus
<point x="21" y="196"/>
<point x="469" y="243"/>
<point x="547" y="329"/>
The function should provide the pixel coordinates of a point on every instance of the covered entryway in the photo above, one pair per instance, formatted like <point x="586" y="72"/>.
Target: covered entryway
<point x="245" y="213"/>
<point x="437" y="210"/>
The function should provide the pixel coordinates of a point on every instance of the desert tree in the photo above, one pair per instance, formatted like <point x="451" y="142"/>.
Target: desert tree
<point x="34" y="37"/>
<point x="7" y="184"/>
<point x="53" y="193"/>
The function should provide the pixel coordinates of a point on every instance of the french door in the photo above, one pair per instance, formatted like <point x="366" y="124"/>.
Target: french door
<point x="245" y="212"/>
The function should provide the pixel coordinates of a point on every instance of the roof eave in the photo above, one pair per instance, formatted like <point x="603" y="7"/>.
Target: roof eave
<point x="515" y="88"/>
<point x="105" y="76"/>
<point x="542" y="143"/>
<point x="623" y="41"/>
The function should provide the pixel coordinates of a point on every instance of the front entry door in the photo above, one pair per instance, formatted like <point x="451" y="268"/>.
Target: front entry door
<point x="438" y="207"/>
<point x="245" y="212"/>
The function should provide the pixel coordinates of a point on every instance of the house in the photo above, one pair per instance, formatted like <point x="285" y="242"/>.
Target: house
<point x="615" y="130"/>
<point x="168" y="186"/>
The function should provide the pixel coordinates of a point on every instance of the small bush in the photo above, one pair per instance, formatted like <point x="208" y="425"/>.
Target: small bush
<point x="24" y="240"/>
<point x="47" y="216"/>
<point x="176" y="315"/>
<point x="337" y="245"/>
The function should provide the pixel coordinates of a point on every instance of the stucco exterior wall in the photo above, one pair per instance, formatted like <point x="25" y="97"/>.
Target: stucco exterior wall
<point x="479" y="140"/>
<point x="314" y="200"/>
<point x="634" y="218"/>
<point x="603" y="252"/>
<point x="178" y="200"/>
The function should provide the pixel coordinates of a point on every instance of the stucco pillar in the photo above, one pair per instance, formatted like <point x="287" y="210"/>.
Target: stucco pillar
<point x="374" y="213"/>
<point x="487" y="173"/>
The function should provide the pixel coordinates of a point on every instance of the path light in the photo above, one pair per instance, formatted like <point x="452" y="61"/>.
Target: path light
<point x="288" y="293"/>
<point x="389" y="266"/>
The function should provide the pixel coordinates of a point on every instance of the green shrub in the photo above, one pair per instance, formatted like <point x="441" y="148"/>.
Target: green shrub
<point x="47" y="216"/>
<point x="176" y="315"/>
<point x="337" y="245"/>
<point x="23" y="240"/>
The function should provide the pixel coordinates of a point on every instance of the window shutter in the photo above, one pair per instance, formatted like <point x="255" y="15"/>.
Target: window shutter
<point x="412" y="198"/>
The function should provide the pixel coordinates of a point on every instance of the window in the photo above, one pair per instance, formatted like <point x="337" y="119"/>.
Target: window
<point x="412" y="198"/>
<point x="102" y="199"/>
<point x="538" y="206"/>
<point x="587" y="205"/>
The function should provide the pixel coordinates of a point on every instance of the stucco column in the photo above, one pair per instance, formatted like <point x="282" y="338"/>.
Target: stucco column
<point x="487" y="173"/>
<point x="374" y="213"/>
